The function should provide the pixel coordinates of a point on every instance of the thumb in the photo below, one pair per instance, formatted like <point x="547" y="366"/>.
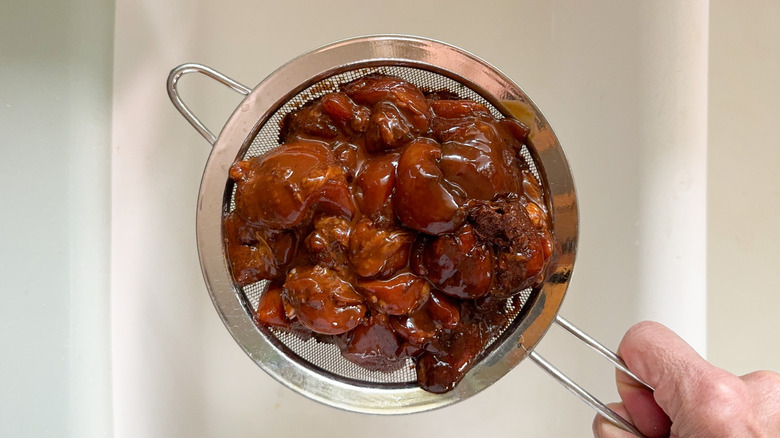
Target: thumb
<point x="685" y="384"/>
<point x="651" y="351"/>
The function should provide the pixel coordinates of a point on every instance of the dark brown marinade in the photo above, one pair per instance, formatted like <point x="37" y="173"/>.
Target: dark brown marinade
<point x="393" y="223"/>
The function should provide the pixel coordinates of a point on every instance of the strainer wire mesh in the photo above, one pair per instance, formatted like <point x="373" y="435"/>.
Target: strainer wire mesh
<point x="326" y="356"/>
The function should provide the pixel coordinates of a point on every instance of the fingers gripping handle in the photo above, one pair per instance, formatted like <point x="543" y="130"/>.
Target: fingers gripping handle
<point x="173" y="93"/>
<point x="579" y="391"/>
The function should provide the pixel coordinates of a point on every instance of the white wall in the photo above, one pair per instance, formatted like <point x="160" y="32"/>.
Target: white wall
<point x="613" y="77"/>
<point x="55" y="120"/>
<point x="744" y="185"/>
<point x="179" y="372"/>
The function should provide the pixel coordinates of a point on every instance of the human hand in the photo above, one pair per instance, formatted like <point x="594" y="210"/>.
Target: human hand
<point x="692" y="398"/>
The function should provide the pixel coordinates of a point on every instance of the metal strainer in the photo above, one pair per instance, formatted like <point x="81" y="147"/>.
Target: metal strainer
<point x="317" y="370"/>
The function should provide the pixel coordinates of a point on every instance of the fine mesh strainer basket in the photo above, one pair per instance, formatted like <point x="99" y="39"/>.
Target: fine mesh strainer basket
<point x="317" y="370"/>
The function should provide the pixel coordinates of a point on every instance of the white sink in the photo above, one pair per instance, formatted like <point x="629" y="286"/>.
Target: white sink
<point x="624" y="86"/>
<point x="118" y="334"/>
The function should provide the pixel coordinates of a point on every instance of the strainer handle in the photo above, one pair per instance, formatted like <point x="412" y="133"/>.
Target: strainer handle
<point x="579" y="391"/>
<point x="173" y="93"/>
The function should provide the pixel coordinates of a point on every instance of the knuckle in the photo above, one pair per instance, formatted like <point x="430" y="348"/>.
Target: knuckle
<point x="721" y="390"/>
<point x="767" y="380"/>
<point x="724" y="401"/>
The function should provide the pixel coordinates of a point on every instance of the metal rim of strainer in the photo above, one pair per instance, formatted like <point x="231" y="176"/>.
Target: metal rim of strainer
<point x="369" y="52"/>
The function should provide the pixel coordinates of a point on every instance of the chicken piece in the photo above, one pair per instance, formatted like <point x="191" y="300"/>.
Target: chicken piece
<point x="284" y="187"/>
<point x="401" y="295"/>
<point x="271" y="313"/>
<point x="454" y="108"/>
<point x="345" y="111"/>
<point x="515" y="128"/>
<point x="456" y="264"/>
<point x="374" y="189"/>
<point x="422" y="326"/>
<point x="422" y="199"/>
<point x="536" y="208"/>
<point x="388" y="128"/>
<point x="309" y="122"/>
<point x="328" y="244"/>
<point x="417" y="329"/>
<point x="372" y="89"/>
<point x="374" y="346"/>
<point x="334" y="116"/>
<point x="255" y="252"/>
<point x="478" y="157"/>
<point x="270" y="308"/>
<point x="322" y="301"/>
<point x="374" y="252"/>
<point x="349" y="156"/>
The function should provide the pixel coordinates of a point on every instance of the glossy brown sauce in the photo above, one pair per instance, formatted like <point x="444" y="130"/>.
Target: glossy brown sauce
<point x="393" y="223"/>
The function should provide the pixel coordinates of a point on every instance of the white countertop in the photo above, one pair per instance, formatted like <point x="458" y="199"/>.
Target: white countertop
<point x="108" y="325"/>
<point x="594" y="71"/>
